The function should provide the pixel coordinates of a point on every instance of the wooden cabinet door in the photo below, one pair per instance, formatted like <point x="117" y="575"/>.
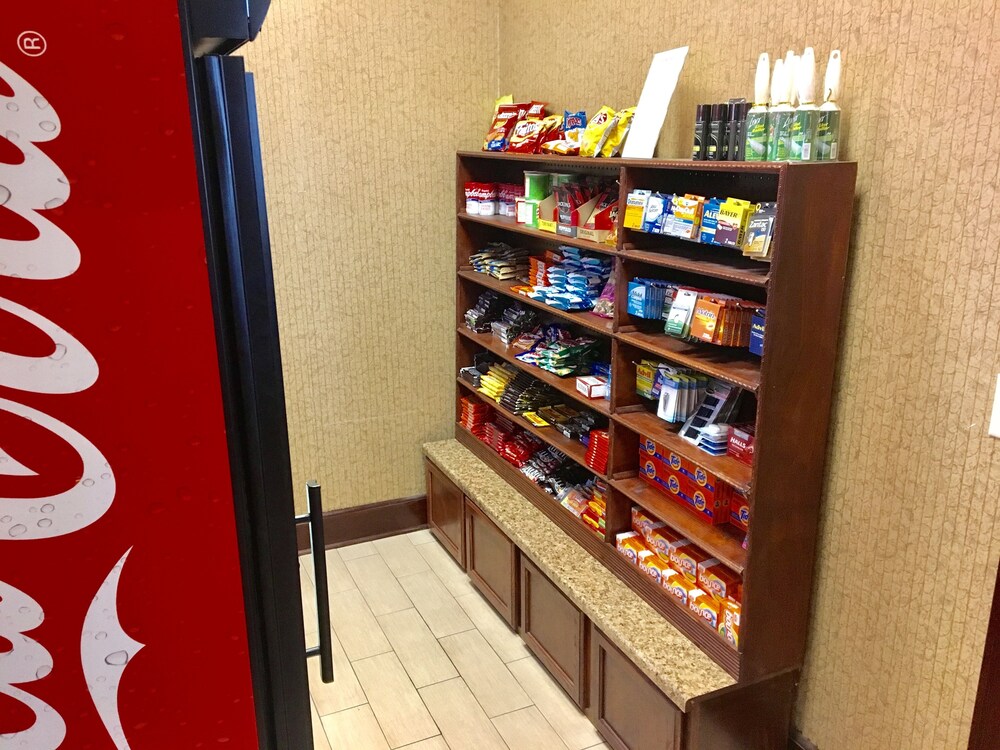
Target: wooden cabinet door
<point x="630" y="712"/>
<point x="445" y="511"/>
<point x="492" y="562"/>
<point x="555" y="631"/>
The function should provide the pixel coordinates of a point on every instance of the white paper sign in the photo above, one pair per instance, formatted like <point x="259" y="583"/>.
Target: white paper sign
<point x="652" y="108"/>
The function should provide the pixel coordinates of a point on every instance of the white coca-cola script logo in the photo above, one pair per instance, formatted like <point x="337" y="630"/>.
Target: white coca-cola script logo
<point x="34" y="185"/>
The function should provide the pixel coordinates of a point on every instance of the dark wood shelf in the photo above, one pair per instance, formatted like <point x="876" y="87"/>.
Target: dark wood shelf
<point x="579" y="162"/>
<point x="588" y="320"/>
<point x="567" y="385"/>
<point x="720" y="541"/>
<point x="727" y="468"/>
<point x="737" y="366"/>
<point x="574" y="449"/>
<point x="510" y="225"/>
<point x="703" y="262"/>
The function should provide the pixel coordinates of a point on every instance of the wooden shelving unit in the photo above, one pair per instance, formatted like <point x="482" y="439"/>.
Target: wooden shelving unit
<point x="789" y="389"/>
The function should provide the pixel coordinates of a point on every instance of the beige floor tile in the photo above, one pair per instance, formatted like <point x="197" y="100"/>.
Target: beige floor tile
<point x="570" y="724"/>
<point x="344" y="692"/>
<point x="355" y="728"/>
<point x="463" y="723"/>
<point x="527" y="730"/>
<point x="400" y="555"/>
<point x="434" y="743"/>
<point x="378" y="585"/>
<point x="505" y="642"/>
<point x="602" y="746"/>
<point x="400" y="711"/>
<point x="451" y="575"/>
<point x="489" y="680"/>
<point x="424" y="536"/>
<point x="338" y="578"/>
<point x="421" y="655"/>
<point x="435" y="604"/>
<point x="354" y="551"/>
<point x="356" y="626"/>
<point x="320" y="742"/>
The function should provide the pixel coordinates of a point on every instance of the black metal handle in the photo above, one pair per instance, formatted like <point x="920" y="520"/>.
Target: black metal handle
<point x="317" y="543"/>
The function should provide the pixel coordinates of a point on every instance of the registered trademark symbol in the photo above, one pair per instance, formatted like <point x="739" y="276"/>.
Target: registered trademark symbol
<point x="31" y="43"/>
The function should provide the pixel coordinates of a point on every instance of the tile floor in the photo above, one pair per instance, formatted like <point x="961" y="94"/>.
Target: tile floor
<point x="424" y="663"/>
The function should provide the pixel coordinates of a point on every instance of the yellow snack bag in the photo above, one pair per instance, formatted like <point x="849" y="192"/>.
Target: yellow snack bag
<point x="591" y="139"/>
<point x="614" y="136"/>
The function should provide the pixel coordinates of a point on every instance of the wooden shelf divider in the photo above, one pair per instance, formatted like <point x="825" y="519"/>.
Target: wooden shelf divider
<point x="737" y="366"/>
<point x="507" y="224"/>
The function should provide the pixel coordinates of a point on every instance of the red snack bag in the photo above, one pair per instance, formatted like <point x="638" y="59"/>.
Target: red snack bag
<point x="504" y="121"/>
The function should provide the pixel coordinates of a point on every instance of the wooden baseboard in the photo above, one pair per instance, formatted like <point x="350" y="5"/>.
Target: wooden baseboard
<point x="366" y="522"/>
<point x="798" y="742"/>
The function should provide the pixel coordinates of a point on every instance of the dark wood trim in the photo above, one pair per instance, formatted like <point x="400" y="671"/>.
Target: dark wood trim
<point x="756" y="715"/>
<point x="986" y="715"/>
<point x="799" y="742"/>
<point x="366" y="522"/>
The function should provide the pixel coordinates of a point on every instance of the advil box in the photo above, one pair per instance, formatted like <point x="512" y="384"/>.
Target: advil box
<point x="710" y="505"/>
<point x="679" y="464"/>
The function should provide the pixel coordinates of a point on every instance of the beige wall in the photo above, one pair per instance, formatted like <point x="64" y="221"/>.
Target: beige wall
<point x="362" y="106"/>
<point x="910" y="540"/>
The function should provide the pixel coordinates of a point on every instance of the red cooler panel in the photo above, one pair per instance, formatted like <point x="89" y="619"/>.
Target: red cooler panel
<point x="121" y="607"/>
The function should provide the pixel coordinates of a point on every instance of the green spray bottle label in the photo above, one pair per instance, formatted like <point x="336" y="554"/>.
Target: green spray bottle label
<point x="779" y="135"/>
<point x="756" y="139"/>
<point x="803" y="132"/>
<point x="827" y="134"/>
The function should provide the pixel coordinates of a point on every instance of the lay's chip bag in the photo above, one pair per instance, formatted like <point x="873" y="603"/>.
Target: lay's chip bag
<point x="591" y="140"/>
<point x="614" y="137"/>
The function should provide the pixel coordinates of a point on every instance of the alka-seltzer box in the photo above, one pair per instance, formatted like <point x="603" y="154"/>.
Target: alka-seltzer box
<point x="710" y="505"/>
<point x="720" y="581"/>
<point x="635" y="208"/>
<point x="679" y="587"/>
<point x="739" y="510"/>
<point x="708" y="609"/>
<point x="629" y="545"/>
<point x="677" y="463"/>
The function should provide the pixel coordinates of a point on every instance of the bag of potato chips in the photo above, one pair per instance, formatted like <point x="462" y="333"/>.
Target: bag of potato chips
<point x="589" y="143"/>
<point x="614" y="136"/>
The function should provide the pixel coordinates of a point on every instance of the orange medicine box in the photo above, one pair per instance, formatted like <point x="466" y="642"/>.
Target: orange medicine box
<point x="720" y="581"/>
<point x="663" y="540"/>
<point x="729" y="625"/>
<point x="655" y="567"/>
<point x="710" y="505"/>
<point x="679" y="587"/>
<point x="707" y="608"/>
<point x="629" y="545"/>
<point x="685" y="559"/>
<point x="739" y="510"/>
<point x="643" y="523"/>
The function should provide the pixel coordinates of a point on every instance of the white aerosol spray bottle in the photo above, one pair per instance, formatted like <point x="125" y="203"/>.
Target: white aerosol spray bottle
<point x="828" y="122"/>
<point x="806" y="114"/>
<point x="779" y="116"/>
<point x="756" y="137"/>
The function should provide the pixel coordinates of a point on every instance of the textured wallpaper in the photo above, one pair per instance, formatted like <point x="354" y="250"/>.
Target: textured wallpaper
<point x="362" y="108"/>
<point x="910" y="537"/>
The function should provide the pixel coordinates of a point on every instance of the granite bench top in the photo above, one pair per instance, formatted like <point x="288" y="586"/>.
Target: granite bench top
<point x="678" y="667"/>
